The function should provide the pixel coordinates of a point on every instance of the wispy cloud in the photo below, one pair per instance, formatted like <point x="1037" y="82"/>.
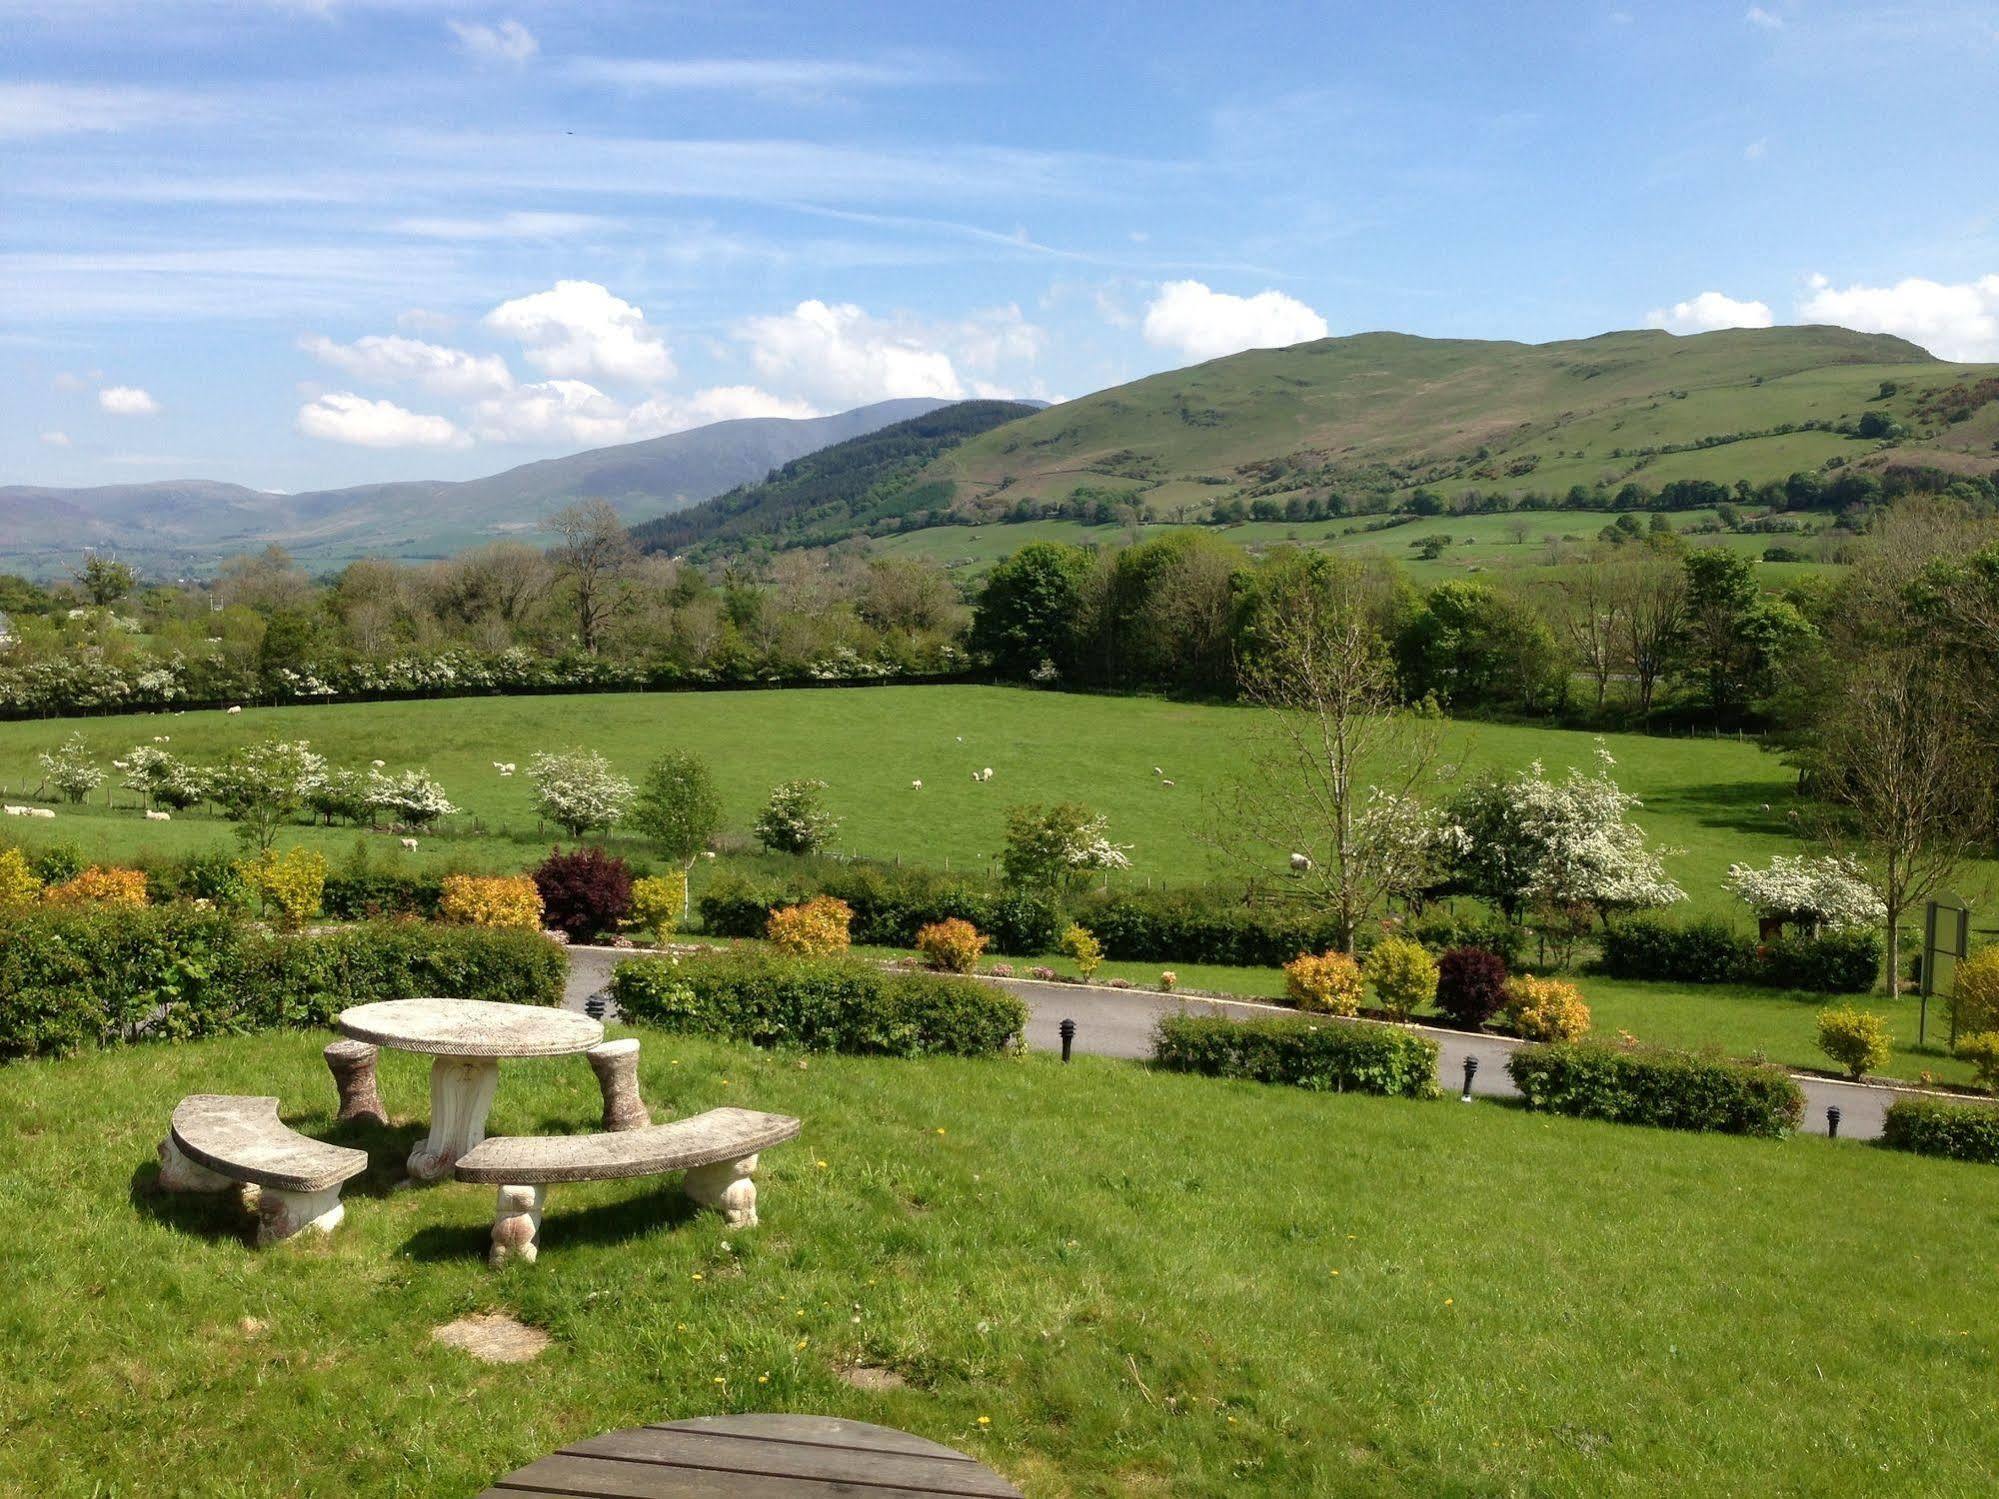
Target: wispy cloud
<point x="506" y="226"/>
<point x="28" y="110"/>
<point x="506" y="42"/>
<point x="798" y="77"/>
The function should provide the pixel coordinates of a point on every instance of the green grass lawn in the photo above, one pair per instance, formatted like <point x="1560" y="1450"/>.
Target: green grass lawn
<point x="1144" y="1284"/>
<point x="1705" y="796"/>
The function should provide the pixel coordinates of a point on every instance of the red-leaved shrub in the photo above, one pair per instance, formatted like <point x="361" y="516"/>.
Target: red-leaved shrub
<point x="1471" y="984"/>
<point x="584" y="893"/>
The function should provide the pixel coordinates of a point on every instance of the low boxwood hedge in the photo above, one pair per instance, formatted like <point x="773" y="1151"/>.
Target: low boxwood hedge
<point x="1656" y="1086"/>
<point x="1330" y="1056"/>
<point x="821" y="1004"/>
<point x="73" y="979"/>
<point x="1937" y="1126"/>
<point x="1712" y="952"/>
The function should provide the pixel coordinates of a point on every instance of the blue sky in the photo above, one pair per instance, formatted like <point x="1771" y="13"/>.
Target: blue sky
<point x="301" y="243"/>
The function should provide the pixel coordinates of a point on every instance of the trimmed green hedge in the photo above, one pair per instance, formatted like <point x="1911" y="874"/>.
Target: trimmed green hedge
<point x="890" y="905"/>
<point x="1329" y="1056"/>
<point x="99" y="978"/>
<point x="1936" y="1126"/>
<point x="1655" y="1086"/>
<point x="1712" y="952"/>
<point x="821" y="1004"/>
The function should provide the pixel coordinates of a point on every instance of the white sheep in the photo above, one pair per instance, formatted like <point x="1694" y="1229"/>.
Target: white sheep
<point x="159" y="817"/>
<point x="408" y="843"/>
<point x="378" y="764"/>
<point x="163" y="739"/>
<point x="1157" y="771"/>
<point x="915" y="785"/>
<point x="1165" y="783"/>
<point x="233" y="710"/>
<point x="41" y="811"/>
<point x="986" y="774"/>
<point x="17" y="811"/>
<point x="1766" y="806"/>
<point x="1300" y="863"/>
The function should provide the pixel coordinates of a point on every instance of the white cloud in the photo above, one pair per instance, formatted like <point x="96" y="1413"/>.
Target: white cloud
<point x="423" y="320"/>
<point x="1756" y="150"/>
<point x="127" y="400"/>
<point x="507" y="42"/>
<point x="836" y="352"/>
<point x="506" y="226"/>
<point x="780" y="75"/>
<point x="1707" y="312"/>
<point x="345" y="417"/>
<point x="1756" y="15"/>
<point x="391" y="359"/>
<point x="578" y="329"/>
<point x="1952" y="320"/>
<point x="1204" y="324"/>
<point x="56" y="439"/>
<point x="576" y="412"/>
<point x="39" y="109"/>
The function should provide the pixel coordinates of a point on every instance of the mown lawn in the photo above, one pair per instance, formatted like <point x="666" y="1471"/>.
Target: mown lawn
<point x="1143" y="1284"/>
<point x="1704" y="796"/>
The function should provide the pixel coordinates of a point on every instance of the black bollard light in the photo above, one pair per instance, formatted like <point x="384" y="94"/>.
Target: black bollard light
<point x="1471" y="1067"/>
<point x="1068" y="1030"/>
<point x="1832" y="1122"/>
<point x="594" y="1007"/>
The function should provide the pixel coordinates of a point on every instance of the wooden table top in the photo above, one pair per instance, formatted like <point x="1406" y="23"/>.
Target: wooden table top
<point x="755" y="1457"/>
<point x="470" y="1028"/>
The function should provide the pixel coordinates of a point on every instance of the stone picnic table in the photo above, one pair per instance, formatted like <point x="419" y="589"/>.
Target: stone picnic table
<point x="755" y="1457"/>
<point x="467" y="1038"/>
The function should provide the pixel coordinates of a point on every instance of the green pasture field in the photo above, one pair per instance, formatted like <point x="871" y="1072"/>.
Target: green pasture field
<point x="1703" y="796"/>
<point x="1098" y="1279"/>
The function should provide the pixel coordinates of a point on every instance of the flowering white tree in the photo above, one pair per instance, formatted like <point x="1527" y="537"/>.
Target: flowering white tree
<point x="795" y="820"/>
<point x="1049" y="846"/>
<point x="578" y="790"/>
<point x="71" y="769"/>
<point x="262" y="785"/>
<point x="1528" y="841"/>
<point x="410" y="797"/>
<point x="1814" y="893"/>
<point x="162" y="778"/>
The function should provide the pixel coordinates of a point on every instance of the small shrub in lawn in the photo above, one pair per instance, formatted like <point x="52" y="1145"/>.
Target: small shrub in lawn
<point x="1471" y="985"/>
<point x="843" y="1004"/>
<point x="1080" y="945"/>
<point x="585" y="893"/>
<point x="1403" y="974"/>
<point x="96" y="886"/>
<point x="795" y="819"/>
<point x="512" y="901"/>
<point x="1656" y="1086"/>
<point x="1935" y="1126"/>
<point x="1045" y="975"/>
<point x="1328" y="983"/>
<point x="1981" y="1049"/>
<point x="1856" y="1039"/>
<point x="289" y="885"/>
<point x="19" y="884"/>
<point x="1001" y="970"/>
<point x="1974" y="999"/>
<point x="1546" y="1009"/>
<point x="1169" y="981"/>
<point x="951" y="946"/>
<point x="1332" y="1057"/>
<point x="658" y="903"/>
<point x="817" y="929"/>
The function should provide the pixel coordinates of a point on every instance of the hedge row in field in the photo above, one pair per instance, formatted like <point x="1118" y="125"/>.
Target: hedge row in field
<point x="821" y="1004"/>
<point x="1712" y="952"/>
<point x="1331" y="1056"/>
<point x="1655" y="1086"/>
<point x="73" y="979"/>
<point x="1937" y="1126"/>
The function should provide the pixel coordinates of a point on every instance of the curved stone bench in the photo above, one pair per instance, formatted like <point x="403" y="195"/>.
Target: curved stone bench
<point x="718" y="1151"/>
<point x="217" y="1140"/>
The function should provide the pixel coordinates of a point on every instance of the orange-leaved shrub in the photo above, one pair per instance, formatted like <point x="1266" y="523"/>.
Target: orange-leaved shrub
<point x="816" y="929"/>
<point x="1328" y="982"/>
<point x="1546" y="1009"/>
<point x="97" y="886"/>
<point x="952" y="945"/>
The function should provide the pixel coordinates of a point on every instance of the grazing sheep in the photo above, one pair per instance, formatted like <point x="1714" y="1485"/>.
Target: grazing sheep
<point x="41" y="811"/>
<point x="1165" y="783"/>
<point x="1300" y="863"/>
<point x="17" y="811"/>
<point x="159" y="817"/>
<point x="378" y="764"/>
<point x="915" y="785"/>
<point x="163" y="739"/>
<point x="235" y="710"/>
<point x="1766" y="806"/>
<point x="408" y="843"/>
<point x="1157" y="771"/>
<point x="986" y="774"/>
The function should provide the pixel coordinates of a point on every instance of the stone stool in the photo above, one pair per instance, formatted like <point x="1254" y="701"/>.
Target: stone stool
<point x="352" y="1064"/>
<point x="616" y="1064"/>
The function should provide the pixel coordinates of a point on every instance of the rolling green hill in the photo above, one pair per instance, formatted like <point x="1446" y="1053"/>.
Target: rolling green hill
<point x="866" y="483"/>
<point x="1374" y="417"/>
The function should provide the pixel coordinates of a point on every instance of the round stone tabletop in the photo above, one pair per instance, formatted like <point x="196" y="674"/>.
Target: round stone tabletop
<point x="470" y="1028"/>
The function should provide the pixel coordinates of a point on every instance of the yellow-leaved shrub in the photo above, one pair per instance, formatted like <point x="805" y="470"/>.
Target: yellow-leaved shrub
<point x="288" y="885"/>
<point x="19" y="884"/>
<point x="952" y="945"/>
<point x="1546" y="1009"/>
<point x="1404" y="976"/>
<point x="658" y="902"/>
<point x="1856" y="1039"/>
<point x="1327" y="982"/>
<point x="816" y="929"/>
<point x="508" y="901"/>
<point x="96" y="886"/>
<point x="1081" y="944"/>
<point x="1974" y="995"/>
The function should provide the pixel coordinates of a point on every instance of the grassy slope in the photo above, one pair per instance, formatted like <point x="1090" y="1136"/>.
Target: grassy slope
<point x="1146" y="1284"/>
<point x="1428" y="405"/>
<point x="1702" y="795"/>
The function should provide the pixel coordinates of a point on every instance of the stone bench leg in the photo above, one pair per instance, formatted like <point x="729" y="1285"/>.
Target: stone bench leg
<point x="727" y="1188"/>
<point x="179" y="1174"/>
<point x="352" y="1064"/>
<point x="616" y="1064"/>
<point x="280" y="1215"/>
<point x="516" y="1225"/>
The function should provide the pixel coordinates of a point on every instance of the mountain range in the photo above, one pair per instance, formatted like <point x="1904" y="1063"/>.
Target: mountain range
<point x="188" y="524"/>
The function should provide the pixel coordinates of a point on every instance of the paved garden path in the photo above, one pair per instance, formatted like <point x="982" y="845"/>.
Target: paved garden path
<point x="1119" y="1023"/>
